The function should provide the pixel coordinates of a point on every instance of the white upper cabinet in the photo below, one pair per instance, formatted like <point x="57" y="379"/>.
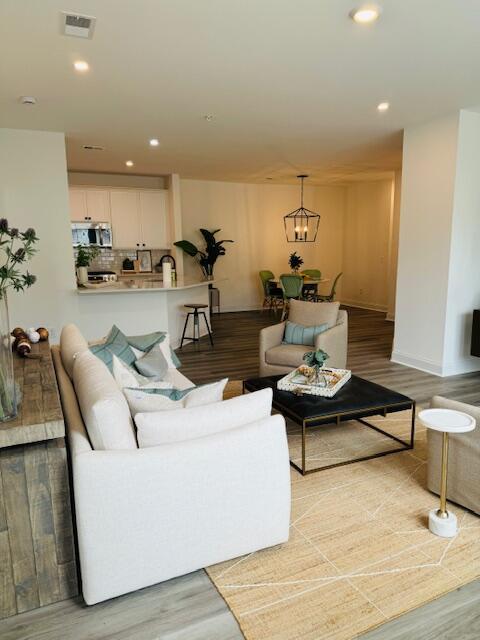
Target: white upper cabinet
<point x="126" y="228"/>
<point x="139" y="217"/>
<point x="153" y="217"/>
<point x="89" y="205"/>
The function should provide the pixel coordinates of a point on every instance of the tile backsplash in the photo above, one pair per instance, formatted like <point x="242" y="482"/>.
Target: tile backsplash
<point x="112" y="259"/>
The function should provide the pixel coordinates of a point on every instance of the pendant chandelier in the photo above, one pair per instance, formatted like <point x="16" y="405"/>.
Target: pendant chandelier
<point x="302" y="224"/>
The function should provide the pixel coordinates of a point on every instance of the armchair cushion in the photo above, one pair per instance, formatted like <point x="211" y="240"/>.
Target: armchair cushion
<point x="299" y="334"/>
<point x="313" y="313"/>
<point x="286" y="355"/>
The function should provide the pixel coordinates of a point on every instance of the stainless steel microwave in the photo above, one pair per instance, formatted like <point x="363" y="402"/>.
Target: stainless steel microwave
<point x="92" y="234"/>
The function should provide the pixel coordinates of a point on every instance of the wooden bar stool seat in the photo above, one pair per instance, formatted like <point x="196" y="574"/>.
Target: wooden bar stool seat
<point x="196" y="322"/>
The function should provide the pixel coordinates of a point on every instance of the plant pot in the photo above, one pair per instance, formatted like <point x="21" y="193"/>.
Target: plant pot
<point x="82" y="275"/>
<point x="8" y="396"/>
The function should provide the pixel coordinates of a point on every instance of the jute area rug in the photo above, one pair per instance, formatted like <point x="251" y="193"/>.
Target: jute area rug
<point x="360" y="552"/>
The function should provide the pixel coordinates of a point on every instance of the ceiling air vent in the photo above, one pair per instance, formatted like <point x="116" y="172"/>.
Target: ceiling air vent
<point x="93" y="147"/>
<point x="76" y="25"/>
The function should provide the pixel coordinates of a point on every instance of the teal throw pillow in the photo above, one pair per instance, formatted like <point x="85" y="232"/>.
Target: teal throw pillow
<point x="152" y="364"/>
<point x="115" y="343"/>
<point x="298" y="334"/>
<point x="148" y="341"/>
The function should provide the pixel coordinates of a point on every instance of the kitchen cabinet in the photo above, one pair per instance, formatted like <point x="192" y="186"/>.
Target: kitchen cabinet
<point x="153" y="219"/>
<point x="89" y="205"/>
<point x="126" y="228"/>
<point x="139" y="217"/>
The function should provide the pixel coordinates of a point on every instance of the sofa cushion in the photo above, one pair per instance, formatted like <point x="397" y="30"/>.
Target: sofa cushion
<point x="104" y="409"/>
<point x="115" y="343"/>
<point x="299" y="334"/>
<point x="286" y="355"/>
<point x="313" y="313"/>
<point x="144" y="400"/>
<point x="164" y="427"/>
<point x="71" y="343"/>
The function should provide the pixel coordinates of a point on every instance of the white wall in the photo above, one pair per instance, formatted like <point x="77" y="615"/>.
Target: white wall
<point x="34" y="193"/>
<point x="437" y="284"/>
<point x="252" y="216"/>
<point x="464" y="273"/>
<point x="366" y="245"/>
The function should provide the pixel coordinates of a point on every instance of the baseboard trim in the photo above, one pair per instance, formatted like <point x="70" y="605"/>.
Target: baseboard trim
<point x="364" y="305"/>
<point x="417" y="363"/>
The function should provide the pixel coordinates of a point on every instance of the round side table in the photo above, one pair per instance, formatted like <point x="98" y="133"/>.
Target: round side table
<point x="440" y="521"/>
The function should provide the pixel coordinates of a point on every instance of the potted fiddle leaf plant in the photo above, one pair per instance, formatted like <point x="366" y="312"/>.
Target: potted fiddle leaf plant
<point x="16" y="248"/>
<point x="85" y="256"/>
<point x="207" y="258"/>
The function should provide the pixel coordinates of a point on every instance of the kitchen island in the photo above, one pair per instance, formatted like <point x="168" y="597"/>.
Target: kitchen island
<point x="139" y="306"/>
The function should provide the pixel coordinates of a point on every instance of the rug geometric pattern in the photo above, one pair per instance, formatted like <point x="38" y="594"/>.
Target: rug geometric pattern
<point x="359" y="552"/>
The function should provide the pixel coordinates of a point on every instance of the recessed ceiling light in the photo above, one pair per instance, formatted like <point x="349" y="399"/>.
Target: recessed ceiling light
<point x="208" y="117"/>
<point x="365" y="14"/>
<point x="154" y="142"/>
<point x="27" y="100"/>
<point x="81" y="65"/>
<point x="383" y="106"/>
<point x="129" y="163"/>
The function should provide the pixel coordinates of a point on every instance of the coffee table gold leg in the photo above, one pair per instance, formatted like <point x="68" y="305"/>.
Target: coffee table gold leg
<point x="442" y="512"/>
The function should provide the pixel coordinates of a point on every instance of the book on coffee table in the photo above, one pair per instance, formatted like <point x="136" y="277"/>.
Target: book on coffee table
<point x="326" y="384"/>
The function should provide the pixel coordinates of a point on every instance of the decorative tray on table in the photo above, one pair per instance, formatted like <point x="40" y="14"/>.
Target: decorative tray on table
<point x="323" y="382"/>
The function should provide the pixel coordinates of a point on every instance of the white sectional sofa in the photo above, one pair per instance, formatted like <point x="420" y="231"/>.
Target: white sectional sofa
<point x="144" y="515"/>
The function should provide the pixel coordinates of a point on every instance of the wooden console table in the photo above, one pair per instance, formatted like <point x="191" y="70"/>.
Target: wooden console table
<point x="37" y="555"/>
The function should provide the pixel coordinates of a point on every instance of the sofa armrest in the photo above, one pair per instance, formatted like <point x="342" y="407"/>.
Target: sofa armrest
<point x="147" y="515"/>
<point x="270" y="337"/>
<point x="334" y="342"/>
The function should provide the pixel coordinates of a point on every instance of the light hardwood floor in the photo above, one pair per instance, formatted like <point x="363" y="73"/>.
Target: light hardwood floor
<point x="189" y="606"/>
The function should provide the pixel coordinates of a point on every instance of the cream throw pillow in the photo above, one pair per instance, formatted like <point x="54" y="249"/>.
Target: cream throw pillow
<point x="163" y="427"/>
<point x="141" y="401"/>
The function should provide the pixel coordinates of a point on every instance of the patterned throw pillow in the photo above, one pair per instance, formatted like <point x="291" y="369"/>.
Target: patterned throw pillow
<point x="115" y="343"/>
<point x="149" y="340"/>
<point x="298" y="334"/>
<point x="153" y="363"/>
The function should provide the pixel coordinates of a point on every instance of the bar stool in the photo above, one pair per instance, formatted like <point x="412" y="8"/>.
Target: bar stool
<point x="442" y="522"/>
<point x="196" y="322"/>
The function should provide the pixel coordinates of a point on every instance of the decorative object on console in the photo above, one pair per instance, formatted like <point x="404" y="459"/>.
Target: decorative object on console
<point x="85" y="255"/>
<point x="295" y="262"/>
<point x="17" y="248"/>
<point x="301" y="225"/>
<point x="144" y="257"/>
<point x="207" y="258"/>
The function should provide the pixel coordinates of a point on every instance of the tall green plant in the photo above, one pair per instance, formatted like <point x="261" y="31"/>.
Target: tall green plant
<point x="208" y="257"/>
<point x="17" y="247"/>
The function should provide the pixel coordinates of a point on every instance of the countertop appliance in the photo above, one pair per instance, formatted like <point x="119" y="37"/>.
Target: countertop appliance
<point x="92" y="234"/>
<point x="166" y="258"/>
<point x="102" y="276"/>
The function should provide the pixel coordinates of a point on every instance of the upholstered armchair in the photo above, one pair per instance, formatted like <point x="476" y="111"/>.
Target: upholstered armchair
<point x="277" y="358"/>
<point x="463" y="485"/>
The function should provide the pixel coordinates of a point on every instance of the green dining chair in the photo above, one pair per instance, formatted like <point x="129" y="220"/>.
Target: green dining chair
<point x="310" y="290"/>
<point x="273" y="295"/>
<point x="292" y="286"/>
<point x="330" y="297"/>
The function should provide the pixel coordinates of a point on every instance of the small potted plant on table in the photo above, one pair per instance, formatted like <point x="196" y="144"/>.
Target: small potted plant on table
<point x="84" y="258"/>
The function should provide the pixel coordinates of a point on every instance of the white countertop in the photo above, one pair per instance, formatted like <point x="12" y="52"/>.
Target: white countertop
<point x="138" y="285"/>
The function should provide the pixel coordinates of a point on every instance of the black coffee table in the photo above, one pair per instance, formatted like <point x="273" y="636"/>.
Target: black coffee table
<point x="357" y="400"/>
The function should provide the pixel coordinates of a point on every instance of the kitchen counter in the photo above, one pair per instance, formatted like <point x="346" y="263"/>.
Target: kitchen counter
<point x="142" y="285"/>
<point x="153" y="307"/>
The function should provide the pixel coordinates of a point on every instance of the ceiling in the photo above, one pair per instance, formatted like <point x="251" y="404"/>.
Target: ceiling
<point x="292" y="85"/>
